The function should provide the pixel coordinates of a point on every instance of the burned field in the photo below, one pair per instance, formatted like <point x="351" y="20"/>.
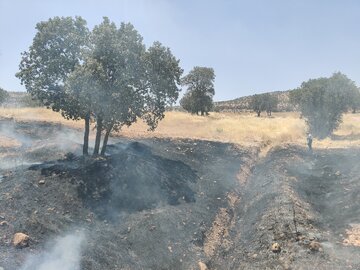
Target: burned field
<point x="174" y="204"/>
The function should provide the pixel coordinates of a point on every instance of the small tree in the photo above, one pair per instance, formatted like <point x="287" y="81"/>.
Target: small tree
<point x="270" y="103"/>
<point x="187" y="102"/>
<point x="323" y="101"/>
<point x="263" y="102"/>
<point x="200" y="90"/>
<point x="257" y="104"/>
<point x="4" y="95"/>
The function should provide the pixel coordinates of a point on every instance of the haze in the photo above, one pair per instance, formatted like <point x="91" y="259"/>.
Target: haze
<point x="253" y="46"/>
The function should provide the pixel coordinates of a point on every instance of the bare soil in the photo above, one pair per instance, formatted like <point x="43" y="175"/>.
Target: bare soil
<point x="170" y="204"/>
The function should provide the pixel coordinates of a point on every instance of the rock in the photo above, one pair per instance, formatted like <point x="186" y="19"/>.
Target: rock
<point x="314" y="246"/>
<point x="287" y="266"/>
<point x="300" y="238"/>
<point x="338" y="173"/>
<point x="275" y="247"/>
<point x="202" y="266"/>
<point x="41" y="182"/>
<point x="21" y="240"/>
<point x="3" y="224"/>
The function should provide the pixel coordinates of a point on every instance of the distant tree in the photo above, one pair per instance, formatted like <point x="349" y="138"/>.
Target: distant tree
<point x="264" y="102"/>
<point x="270" y="103"/>
<point x="4" y="95"/>
<point x="257" y="104"/>
<point x="354" y="100"/>
<point x="323" y="101"/>
<point x="187" y="102"/>
<point x="106" y="75"/>
<point x="200" y="90"/>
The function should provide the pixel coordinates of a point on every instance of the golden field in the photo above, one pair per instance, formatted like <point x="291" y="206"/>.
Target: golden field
<point x="241" y="128"/>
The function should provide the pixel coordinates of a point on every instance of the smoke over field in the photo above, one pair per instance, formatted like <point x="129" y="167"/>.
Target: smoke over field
<point x="174" y="204"/>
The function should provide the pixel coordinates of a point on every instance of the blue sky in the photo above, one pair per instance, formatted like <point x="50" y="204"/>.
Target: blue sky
<point x="254" y="46"/>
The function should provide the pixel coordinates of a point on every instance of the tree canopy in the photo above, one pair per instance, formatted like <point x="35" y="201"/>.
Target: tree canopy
<point x="106" y="75"/>
<point x="322" y="102"/>
<point x="264" y="102"/>
<point x="3" y="95"/>
<point x="200" y="90"/>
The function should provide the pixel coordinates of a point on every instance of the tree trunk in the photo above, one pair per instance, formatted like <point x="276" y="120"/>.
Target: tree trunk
<point x="106" y="138"/>
<point x="98" y="135"/>
<point x="86" y="135"/>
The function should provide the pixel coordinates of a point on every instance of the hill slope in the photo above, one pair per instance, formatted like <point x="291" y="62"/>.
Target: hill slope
<point x="243" y="103"/>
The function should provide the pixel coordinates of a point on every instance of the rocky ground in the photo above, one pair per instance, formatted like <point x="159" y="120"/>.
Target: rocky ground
<point x="173" y="204"/>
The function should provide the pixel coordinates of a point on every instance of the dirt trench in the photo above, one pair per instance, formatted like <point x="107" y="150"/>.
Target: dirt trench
<point x="306" y="203"/>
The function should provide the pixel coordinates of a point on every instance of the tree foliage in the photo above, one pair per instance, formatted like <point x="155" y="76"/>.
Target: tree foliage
<point x="354" y="100"/>
<point x="57" y="48"/>
<point x="264" y="102"/>
<point x="106" y="75"/>
<point x="322" y="102"/>
<point x="4" y="95"/>
<point x="200" y="90"/>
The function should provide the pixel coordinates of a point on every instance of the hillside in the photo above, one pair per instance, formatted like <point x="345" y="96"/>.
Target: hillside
<point x="19" y="100"/>
<point x="242" y="103"/>
<point x="23" y="99"/>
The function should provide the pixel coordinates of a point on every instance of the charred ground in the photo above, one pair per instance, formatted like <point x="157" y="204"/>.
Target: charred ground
<point x="169" y="204"/>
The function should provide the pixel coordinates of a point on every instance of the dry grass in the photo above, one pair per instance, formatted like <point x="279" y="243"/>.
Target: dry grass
<point x="38" y="114"/>
<point x="353" y="236"/>
<point x="244" y="129"/>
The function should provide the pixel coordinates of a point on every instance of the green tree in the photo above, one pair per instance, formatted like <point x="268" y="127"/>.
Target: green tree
<point x="354" y="100"/>
<point x="58" y="47"/>
<point x="323" y="101"/>
<point x="128" y="81"/>
<point x="188" y="103"/>
<point x="257" y="104"/>
<point x="106" y="75"/>
<point x="4" y="95"/>
<point x="270" y="103"/>
<point x="263" y="102"/>
<point x="200" y="90"/>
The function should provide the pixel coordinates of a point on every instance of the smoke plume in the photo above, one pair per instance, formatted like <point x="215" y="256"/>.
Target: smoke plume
<point x="64" y="255"/>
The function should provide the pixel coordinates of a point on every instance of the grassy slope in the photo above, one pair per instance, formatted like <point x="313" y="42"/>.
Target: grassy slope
<point x="242" y="128"/>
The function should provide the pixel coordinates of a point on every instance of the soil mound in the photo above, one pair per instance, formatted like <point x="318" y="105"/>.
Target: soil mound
<point x="131" y="178"/>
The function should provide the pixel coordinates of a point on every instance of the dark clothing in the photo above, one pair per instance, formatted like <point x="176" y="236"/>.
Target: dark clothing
<point x="309" y="143"/>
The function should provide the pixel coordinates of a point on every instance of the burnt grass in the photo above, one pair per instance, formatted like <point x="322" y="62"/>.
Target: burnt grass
<point x="171" y="203"/>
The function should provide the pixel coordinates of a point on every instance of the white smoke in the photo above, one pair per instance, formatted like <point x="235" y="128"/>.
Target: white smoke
<point x="64" y="255"/>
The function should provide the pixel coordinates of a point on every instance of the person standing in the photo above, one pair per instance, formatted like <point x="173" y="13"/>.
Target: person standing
<point x="309" y="141"/>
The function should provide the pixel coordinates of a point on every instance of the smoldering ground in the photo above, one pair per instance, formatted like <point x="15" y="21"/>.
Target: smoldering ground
<point x="168" y="204"/>
<point x="64" y="254"/>
<point x="26" y="143"/>
<point x="145" y="205"/>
